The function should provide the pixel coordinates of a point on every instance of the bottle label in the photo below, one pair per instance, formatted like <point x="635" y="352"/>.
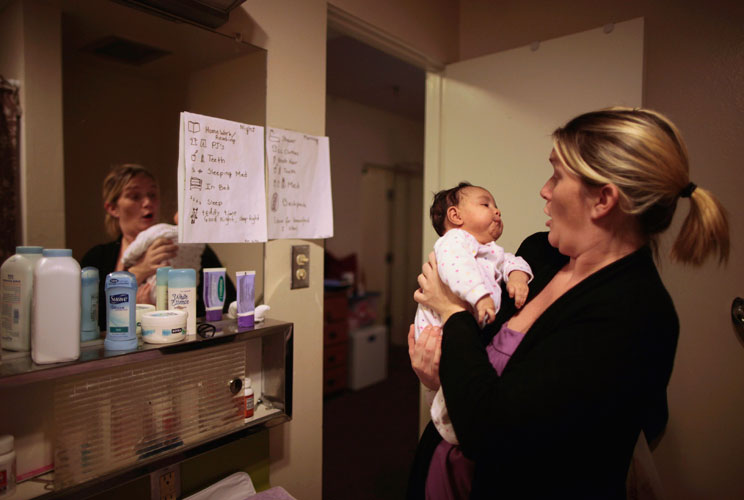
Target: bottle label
<point x="119" y="306"/>
<point x="11" y="308"/>
<point x="248" y="411"/>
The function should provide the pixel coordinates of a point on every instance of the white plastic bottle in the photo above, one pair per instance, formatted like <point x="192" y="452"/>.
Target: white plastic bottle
<point x="17" y="274"/>
<point x="182" y="295"/>
<point x="55" y="313"/>
<point x="7" y="466"/>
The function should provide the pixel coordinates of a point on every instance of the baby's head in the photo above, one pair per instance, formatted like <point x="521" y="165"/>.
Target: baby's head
<point x="467" y="207"/>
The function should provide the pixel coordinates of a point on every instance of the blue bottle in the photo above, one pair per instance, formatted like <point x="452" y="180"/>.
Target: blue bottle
<point x="121" y="311"/>
<point x="89" y="304"/>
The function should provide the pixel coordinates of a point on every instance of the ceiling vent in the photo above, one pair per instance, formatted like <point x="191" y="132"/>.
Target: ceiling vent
<point x="125" y="51"/>
<point x="209" y="13"/>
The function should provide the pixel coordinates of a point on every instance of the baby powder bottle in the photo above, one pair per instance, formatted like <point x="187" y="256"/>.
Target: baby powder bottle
<point x="161" y="288"/>
<point x="7" y="466"/>
<point x="182" y="295"/>
<point x="17" y="274"/>
<point x="121" y="311"/>
<point x="55" y="310"/>
<point x="89" y="304"/>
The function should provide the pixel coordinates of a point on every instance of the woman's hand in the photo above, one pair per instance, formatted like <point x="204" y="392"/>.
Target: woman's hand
<point x="436" y="295"/>
<point x="144" y="292"/>
<point x="425" y="353"/>
<point x="157" y="255"/>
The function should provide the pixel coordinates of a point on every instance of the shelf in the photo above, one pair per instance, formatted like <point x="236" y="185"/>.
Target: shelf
<point x="94" y="393"/>
<point x="18" y="368"/>
<point x="42" y="487"/>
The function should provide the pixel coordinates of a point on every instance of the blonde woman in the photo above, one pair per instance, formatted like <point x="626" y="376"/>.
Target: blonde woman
<point x="599" y="330"/>
<point x="131" y="200"/>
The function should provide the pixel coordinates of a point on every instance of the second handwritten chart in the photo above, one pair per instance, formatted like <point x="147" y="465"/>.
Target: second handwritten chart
<point x="221" y="196"/>
<point x="299" y="173"/>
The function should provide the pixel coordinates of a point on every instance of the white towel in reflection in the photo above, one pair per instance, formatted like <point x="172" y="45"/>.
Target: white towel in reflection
<point x="189" y="254"/>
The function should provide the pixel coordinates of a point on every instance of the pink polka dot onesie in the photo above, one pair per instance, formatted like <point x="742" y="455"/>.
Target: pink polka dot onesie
<point x="471" y="270"/>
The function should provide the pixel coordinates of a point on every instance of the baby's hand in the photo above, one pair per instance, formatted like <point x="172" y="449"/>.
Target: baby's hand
<point x="517" y="287"/>
<point x="486" y="310"/>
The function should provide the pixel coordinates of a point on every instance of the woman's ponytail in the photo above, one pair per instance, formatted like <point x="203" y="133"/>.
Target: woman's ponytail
<point x="704" y="231"/>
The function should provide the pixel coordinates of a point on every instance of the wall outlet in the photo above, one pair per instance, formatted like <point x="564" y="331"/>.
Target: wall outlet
<point x="165" y="483"/>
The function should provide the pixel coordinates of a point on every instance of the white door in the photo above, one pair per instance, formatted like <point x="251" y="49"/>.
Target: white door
<point x="489" y="119"/>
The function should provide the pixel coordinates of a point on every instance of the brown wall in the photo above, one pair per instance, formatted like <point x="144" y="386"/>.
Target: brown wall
<point x="694" y="62"/>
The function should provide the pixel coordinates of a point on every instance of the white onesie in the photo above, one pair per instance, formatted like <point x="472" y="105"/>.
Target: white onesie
<point x="471" y="270"/>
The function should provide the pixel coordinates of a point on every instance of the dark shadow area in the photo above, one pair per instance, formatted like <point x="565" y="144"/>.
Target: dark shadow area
<point x="370" y="435"/>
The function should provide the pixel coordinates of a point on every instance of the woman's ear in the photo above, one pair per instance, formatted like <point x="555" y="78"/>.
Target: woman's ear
<point x="112" y="209"/>
<point x="453" y="216"/>
<point x="606" y="199"/>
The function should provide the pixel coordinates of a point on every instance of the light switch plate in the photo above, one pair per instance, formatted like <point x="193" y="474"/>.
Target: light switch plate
<point x="300" y="266"/>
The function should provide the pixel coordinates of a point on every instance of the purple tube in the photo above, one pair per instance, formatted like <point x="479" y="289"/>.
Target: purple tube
<point x="214" y="292"/>
<point x="246" y="300"/>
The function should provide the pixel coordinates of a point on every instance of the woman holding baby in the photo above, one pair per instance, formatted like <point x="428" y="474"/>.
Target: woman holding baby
<point x="131" y="199"/>
<point x="599" y="328"/>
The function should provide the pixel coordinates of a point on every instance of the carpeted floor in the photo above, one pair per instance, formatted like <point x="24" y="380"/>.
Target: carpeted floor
<point x="370" y="436"/>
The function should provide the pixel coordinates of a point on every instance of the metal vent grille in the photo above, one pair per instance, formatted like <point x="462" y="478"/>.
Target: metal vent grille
<point x="125" y="51"/>
<point x="121" y="416"/>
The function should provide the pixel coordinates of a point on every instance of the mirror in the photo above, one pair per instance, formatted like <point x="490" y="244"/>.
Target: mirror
<point x="127" y="74"/>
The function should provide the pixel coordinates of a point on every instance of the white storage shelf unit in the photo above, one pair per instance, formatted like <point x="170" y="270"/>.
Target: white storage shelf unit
<point x="118" y="416"/>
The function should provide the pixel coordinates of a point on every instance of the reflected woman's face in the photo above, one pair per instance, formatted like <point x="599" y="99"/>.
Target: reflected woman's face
<point x="138" y="207"/>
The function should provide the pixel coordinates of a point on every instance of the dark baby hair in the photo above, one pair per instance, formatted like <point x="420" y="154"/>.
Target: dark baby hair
<point x="442" y="201"/>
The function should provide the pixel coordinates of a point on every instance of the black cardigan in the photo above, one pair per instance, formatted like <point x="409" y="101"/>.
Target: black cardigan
<point x="563" y="418"/>
<point x="104" y="257"/>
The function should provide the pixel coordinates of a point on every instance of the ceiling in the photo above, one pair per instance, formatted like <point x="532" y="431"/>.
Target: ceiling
<point x="363" y="74"/>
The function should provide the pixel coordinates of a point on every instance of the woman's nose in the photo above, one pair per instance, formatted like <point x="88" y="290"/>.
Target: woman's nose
<point x="545" y="192"/>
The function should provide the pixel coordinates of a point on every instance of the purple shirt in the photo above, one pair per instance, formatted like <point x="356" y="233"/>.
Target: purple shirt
<point x="450" y="472"/>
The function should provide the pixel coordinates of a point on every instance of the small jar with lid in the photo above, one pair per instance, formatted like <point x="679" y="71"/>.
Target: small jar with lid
<point x="7" y="466"/>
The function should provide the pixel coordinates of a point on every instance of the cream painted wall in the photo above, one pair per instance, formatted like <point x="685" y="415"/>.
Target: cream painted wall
<point x="27" y="57"/>
<point x="693" y="65"/>
<point x="294" y="34"/>
<point x="428" y="26"/>
<point x="360" y="134"/>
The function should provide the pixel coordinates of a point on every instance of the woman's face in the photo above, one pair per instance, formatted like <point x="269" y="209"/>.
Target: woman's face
<point x="567" y="205"/>
<point x="138" y="205"/>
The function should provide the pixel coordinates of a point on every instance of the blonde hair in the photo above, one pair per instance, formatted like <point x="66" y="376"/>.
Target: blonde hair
<point x="113" y="186"/>
<point x="642" y="153"/>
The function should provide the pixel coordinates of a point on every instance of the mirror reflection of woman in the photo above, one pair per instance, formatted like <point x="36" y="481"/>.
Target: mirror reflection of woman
<point x="131" y="199"/>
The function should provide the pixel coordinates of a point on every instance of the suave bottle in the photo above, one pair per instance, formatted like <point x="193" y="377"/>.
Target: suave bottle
<point x="121" y="311"/>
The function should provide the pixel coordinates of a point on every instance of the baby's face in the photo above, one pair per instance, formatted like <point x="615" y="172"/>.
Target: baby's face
<point x="480" y="215"/>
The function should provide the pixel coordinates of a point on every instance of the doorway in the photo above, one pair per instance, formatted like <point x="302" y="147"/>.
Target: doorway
<point x="375" y="122"/>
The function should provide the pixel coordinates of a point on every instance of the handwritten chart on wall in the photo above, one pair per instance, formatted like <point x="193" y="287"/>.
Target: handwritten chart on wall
<point x="299" y="173"/>
<point x="221" y="195"/>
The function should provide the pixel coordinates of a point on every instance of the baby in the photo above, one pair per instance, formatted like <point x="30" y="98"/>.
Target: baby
<point x="471" y="263"/>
